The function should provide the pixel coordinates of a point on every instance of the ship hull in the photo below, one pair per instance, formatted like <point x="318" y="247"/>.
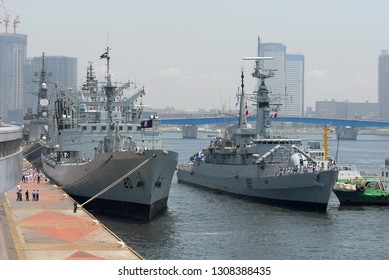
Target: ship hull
<point x="32" y="153"/>
<point x="33" y="132"/>
<point x="362" y="197"/>
<point x="346" y="133"/>
<point x="189" y="131"/>
<point x="142" y="194"/>
<point x="310" y="191"/>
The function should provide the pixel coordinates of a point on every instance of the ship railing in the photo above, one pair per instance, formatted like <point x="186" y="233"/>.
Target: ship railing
<point x="290" y="170"/>
<point x="185" y="167"/>
<point x="71" y="161"/>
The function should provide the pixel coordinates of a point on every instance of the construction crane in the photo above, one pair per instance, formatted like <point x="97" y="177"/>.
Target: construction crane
<point x="7" y="18"/>
<point x="6" y="21"/>
<point x="16" y="21"/>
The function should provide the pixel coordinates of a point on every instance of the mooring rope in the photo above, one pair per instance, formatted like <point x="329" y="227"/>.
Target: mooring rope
<point x="118" y="180"/>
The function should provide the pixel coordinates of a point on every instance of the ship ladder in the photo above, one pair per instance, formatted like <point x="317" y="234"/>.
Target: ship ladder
<point x="118" y="180"/>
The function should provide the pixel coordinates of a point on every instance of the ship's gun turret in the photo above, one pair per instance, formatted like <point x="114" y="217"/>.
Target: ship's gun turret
<point x="268" y="154"/>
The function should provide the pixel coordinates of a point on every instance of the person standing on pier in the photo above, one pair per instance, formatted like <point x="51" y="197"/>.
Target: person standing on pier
<point x="27" y="195"/>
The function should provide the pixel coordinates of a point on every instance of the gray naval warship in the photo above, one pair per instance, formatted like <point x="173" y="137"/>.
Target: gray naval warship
<point x="254" y="163"/>
<point x="35" y="124"/>
<point x="103" y="155"/>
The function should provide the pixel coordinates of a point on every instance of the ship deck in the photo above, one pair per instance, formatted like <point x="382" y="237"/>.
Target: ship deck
<point x="49" y="229"/>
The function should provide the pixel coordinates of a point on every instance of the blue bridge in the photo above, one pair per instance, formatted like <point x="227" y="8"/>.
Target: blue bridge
<point x="337" y="123"/>
<point x="323" y="121"/>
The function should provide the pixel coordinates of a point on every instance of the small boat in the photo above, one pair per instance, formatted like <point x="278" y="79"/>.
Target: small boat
<point x="364" y="190"/>
<point x="346" y="133"/>
<point x="189" y="131"/>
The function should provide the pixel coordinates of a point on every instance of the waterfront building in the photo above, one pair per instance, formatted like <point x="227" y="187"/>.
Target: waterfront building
<point x="383" y="85"/>
<point x="11" y="156"/>
<point x="347" y="110"/>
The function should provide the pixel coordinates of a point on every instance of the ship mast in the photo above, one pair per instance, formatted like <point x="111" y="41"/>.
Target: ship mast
<point x="91" y="84"/>
<point x="241" y="108"/>
<point x="109" y="88"/>
<point x="42" y="94"/>
<point x="262" y="98"/>
<point x="262" y="95"/>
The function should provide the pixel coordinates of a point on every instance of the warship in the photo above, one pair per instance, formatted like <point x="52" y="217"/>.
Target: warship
<point x="35" y="125"/>
<point x="101" y="152"/>
<point x="256" y="164"/>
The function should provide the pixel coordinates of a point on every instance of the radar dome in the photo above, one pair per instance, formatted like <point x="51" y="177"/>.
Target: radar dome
<point x="298" y="159"/>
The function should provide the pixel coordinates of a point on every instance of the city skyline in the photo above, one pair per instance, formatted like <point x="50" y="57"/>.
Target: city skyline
<point x="188" y="54"/>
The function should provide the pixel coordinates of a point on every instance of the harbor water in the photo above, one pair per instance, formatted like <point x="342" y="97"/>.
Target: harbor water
<point x="203" y="225"/>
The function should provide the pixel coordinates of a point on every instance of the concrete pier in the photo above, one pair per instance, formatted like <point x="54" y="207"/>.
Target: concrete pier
<point x="49" y="229"/>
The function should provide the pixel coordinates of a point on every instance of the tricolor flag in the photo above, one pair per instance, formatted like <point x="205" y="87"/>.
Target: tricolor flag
<point x="274" y="116"/>
<point x="246" y="109"/>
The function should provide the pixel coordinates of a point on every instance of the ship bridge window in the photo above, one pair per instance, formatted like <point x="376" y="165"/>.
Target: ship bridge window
<point x="138" y="128"/>
<point x="103" y="128"/>
<point x="84" y="128"/>
<point x="129" y="128"/>
<point x="120" y="127"/>
<point x="94" y="128"/>
<point x="112" y="127"/>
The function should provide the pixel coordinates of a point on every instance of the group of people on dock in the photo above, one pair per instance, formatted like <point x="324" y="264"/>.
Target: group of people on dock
<point x="19" y="194"/>
<point x="30" y="175"/>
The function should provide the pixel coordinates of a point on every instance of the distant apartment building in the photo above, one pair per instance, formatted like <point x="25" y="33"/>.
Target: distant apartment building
<point x="347" y="110"/>
<point x="13" y="53"/>
<point x="61" y="70"/>
<point x="383" y="85"/>
<point x="287" y="85"/>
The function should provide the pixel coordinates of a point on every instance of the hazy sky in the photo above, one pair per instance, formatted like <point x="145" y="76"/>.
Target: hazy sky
<point x="188" y="54"/>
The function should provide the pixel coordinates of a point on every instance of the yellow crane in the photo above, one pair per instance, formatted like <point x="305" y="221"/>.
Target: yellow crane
<point x="327" y="130"/>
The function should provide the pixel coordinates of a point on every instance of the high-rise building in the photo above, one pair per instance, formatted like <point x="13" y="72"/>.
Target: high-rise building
<point x="62" y="70"/>
<point x="346" y="110"/>
<point x="294" y="82"/>
<point x="383" y="85"/>
<point x="287" y="85"/>
<point x="13" y="54"/>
